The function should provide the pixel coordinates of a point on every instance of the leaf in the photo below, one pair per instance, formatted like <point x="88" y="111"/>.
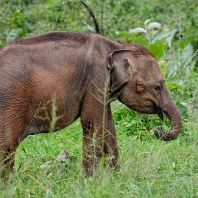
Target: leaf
<point x="145" y="22"/>
<point x="154" y="26"/>
<point x="160" y="63"/>
<point x="158" y="48"/>
<point x="131" y="37"/>
<point x="63" y="156"/>
<point x="12" y="35"/>
<point x="183" y="110"/>
<point x="46" y="164"/>
<point x="167" y="34"/>
<point x="173" y="85"/>
<point x="18" y="193"/>
<point x="164" y="70"/>
<point x="173" y="68"/>
<point x="138" y="30"/>
<point x="170" y="38"/>
<point x="125" y="35"/>
<point x="187" y="52"/>
<point x="187" y="39"/>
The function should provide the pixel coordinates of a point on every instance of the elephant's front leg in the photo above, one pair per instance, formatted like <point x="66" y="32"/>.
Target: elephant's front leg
<point x="99" y="137"/>
<point x="110" y="143"/>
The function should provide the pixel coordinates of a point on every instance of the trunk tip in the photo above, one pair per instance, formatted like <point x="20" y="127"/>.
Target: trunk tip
<point x="160" y="134"/>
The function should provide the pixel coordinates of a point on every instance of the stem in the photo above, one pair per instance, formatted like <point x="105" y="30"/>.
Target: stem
<point x="105" y="101"/>
<point x="97" y="29"/>
<point x="102" y="18"/>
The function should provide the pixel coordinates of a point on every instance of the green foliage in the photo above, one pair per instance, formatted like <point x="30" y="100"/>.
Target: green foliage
<point x="149" y="168"/>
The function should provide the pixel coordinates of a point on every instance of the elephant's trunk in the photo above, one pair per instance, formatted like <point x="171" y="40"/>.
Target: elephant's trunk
<point x="172" y="112"/>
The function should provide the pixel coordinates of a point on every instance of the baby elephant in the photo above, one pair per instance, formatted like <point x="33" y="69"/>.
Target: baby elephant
<point x="48" y="81"/>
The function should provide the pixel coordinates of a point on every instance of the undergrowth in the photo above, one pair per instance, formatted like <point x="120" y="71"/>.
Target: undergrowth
<point x="148" y="167"/>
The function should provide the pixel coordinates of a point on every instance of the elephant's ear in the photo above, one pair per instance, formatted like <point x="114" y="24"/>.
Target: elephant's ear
<point x="118" y="63"/>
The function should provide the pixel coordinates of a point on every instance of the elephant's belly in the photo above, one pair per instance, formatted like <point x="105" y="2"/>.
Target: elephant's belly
<point x="51" y="121"/>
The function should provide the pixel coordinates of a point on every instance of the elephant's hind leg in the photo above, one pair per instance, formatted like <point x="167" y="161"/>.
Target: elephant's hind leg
<point x="7" y="153"/>
<point x="12" y="132"/>
<point x="7" y="159"/>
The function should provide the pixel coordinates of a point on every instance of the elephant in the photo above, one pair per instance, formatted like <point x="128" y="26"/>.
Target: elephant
<point x="50" y="80"/>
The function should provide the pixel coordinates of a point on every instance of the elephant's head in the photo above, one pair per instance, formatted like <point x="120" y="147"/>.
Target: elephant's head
<point x="135" y="74"/>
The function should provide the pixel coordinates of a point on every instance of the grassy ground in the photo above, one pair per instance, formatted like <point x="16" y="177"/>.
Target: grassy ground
<point x="149" y="167"/>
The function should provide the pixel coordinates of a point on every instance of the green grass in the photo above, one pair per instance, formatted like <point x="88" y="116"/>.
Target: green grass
<point x="148" y="167"/>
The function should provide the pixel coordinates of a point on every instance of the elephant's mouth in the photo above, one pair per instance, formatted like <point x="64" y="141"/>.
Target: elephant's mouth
<point x="149" y="109"/>
<point x="159" y="111"/>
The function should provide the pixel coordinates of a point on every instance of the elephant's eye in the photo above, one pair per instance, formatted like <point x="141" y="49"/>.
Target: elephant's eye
<point x="157" y="87"/>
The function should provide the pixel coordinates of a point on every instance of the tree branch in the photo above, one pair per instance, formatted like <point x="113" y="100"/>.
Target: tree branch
<point x="97" y="29"/>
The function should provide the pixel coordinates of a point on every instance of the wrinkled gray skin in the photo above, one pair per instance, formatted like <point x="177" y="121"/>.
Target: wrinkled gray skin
<point x="48" y="81"/>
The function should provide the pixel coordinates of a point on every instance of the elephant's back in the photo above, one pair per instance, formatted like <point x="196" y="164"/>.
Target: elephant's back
<point x="54" y="36"/>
